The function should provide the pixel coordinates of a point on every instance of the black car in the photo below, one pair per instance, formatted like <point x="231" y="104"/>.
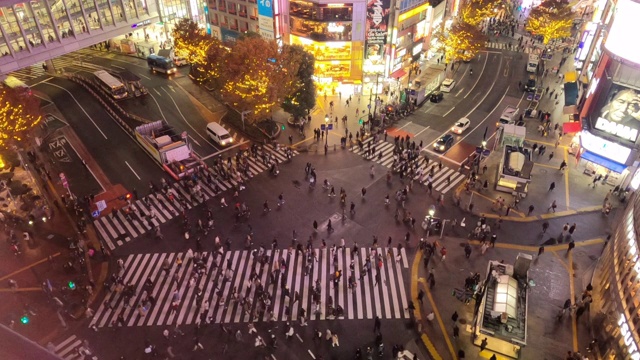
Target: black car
<point x="444" y="143"/>
<point x="436" y="96"/>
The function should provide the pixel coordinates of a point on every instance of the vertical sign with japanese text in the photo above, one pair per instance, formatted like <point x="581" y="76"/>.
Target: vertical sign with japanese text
<point x="265" y="19"/>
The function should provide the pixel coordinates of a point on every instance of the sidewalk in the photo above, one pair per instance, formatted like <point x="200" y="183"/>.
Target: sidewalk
<point x="554" y="277"/>
<point x="43" y="257"/>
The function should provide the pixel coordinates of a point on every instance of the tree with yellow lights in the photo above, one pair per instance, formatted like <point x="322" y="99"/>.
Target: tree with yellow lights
<point x="199" y="49"/>
<point x="301" y="102"/>
<point x="462" y="41"/>
<point x="18" y="114"/>
<point x="552" y="19"/>
<point x="258" y="76"/>
<point x="474" y="11"/>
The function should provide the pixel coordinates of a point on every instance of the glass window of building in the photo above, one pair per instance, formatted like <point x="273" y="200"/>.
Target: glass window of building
<point x="11" y="28"/>
<point x="312" y="11"/>
<point x="321" y="31"/>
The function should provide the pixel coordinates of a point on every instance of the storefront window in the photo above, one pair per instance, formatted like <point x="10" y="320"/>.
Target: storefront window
<point x="311" y="11"/>
<point x="334" y="69"/>
<point x="321" y="31"/>
<point x="324" y="51"/>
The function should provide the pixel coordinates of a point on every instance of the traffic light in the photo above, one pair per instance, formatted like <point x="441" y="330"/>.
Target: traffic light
<point x="32" y="220"/>
<point x="24" y="319"/>
<point x="360" y="121"/>
<point x="72" y="285"/>
<point x="282" y="127"/>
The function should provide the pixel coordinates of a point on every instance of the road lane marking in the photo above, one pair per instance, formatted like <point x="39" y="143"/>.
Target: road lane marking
<point x="482" y="72"/>
<point x="134" y="173"/>
<point x="83" y="110"/>
<point x="450" y="110"/>
<point x="158" y="105"/>
<point x="221" y="151"/>
<point x="118" y="67"/>
<point x="28" y="267"/>
<point x="421" y="131"/>
<point x="458" y="93"/>
<point x="86" y="166"/>
<point x="156" y="90"/>
<point x="489" y="114"/>
<point x="182" y="115"/>
<point x="194" y="140"/>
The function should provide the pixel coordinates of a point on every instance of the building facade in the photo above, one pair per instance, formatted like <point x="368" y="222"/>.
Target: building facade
<point x="615" y="312"/>
<point x="608" y="143"/>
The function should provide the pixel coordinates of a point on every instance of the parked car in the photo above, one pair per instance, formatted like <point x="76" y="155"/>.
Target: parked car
<point x="444" y="143"/>
<point x="460" y="126"/>
<point x="436" y="96"/>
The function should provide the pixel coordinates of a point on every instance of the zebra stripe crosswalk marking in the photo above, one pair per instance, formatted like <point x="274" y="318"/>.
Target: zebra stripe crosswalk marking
<point x="387" y="299"/>
<point x="116" y="229"/>
<point x="443" y="180"/>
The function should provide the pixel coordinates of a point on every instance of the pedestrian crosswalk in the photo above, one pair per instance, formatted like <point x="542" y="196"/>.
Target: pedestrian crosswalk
<point x="69" y="349"/>
<point x="442" y="178"/>
<point x="513" y="47"/>
<point x="118" y="228"/>
<point x="68" y="62"/>
<point x="176" y="300"/>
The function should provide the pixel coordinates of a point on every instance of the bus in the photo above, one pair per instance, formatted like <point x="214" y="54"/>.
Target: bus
<point x="532" y="64"/>
<point x="161" y="64"/>
<point x="14" y="83"/>
<point x="113" y="86"/>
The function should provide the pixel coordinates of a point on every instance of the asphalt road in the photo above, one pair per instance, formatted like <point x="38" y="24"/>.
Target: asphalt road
<point x="121" y="158"/>
<point x="165" y="101"/>
<point x="480" y="97"/>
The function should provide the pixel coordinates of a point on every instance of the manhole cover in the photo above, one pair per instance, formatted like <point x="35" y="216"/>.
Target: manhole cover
<point x="543" y="171"/>
<point x="462" y="321"/>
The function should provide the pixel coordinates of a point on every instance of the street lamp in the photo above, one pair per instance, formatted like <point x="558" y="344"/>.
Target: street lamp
<point x="484" y="144"/>
<point x="326" y="129"/>
<point x="432" y="210"/>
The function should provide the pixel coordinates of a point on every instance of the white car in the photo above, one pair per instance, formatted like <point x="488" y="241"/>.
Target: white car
<point x="460" y="126"/>
<point x="447" y="85"/>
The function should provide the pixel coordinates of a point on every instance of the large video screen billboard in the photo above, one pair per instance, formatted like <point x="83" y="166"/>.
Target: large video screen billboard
<point x="619" y="112"/>
<point x="378" y="12"/>
<point x="625" y="23"/>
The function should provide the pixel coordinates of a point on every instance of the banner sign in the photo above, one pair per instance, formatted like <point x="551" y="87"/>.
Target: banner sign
<point x="377" y="26"/>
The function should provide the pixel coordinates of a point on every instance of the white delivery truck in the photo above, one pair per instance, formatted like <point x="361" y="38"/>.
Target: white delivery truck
<point x="171" y="54"/>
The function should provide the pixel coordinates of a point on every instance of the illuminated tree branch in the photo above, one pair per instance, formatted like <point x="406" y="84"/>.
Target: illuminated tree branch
<point x="18" y="114"/>
<point x="552" y="19"/>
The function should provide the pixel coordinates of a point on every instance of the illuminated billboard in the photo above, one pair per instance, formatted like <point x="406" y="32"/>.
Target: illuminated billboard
<point x="604" y="147"/>
<point x="376" y="31"/>
<point x="618" y="113"/>
<point x="625" y="23"/>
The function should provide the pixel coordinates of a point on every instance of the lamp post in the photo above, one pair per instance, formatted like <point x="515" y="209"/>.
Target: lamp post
<point x="431" y="213"/>
<point x="376" y="99"/>
<point x="326" y="129"/>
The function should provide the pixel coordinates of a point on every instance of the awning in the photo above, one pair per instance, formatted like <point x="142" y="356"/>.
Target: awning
<point x="602" y="161"/>
<point x="571" y="127"/>
<point x="398" y="74"/>
<point x="570" y="93"/>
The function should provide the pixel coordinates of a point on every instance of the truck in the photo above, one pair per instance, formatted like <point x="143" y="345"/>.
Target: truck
<point x="509" y="116"/>
<point x="532" y="64"/>
<point x="171" y="54"/>
<point x="171" y="150"/>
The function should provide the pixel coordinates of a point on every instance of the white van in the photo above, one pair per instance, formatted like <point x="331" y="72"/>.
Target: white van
<point x="219" y="134"/>
<point x="447" y="85"/>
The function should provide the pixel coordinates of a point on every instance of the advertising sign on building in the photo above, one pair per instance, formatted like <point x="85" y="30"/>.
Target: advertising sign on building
<point x="265" y="19"/>
<point x="618" y="112"/>
<point x="376" y="31"/>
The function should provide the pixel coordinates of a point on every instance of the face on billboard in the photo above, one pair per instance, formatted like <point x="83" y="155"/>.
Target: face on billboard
<point x="624" y="105"/>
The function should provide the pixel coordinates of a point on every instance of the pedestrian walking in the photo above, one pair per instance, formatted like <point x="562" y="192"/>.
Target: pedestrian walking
<point x="483" y="344"/>
<point x="545" y="226"/>
<point x="421" y="295"/>
<point x="571" y="245"/>
<point x="553" y="206"/>
<point x="550" y="156"/>
<point x="541" y="250"/>
<point x="376" y="324"/>
<point x="563" y="165"/>
<point x="265" y="206"/>
<point x="456" y="331"/>
<point x="454" y="317"/>
<point x="531" y="208"/>
<point x="467" y="250"/>
<point x="552" y="186"/>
